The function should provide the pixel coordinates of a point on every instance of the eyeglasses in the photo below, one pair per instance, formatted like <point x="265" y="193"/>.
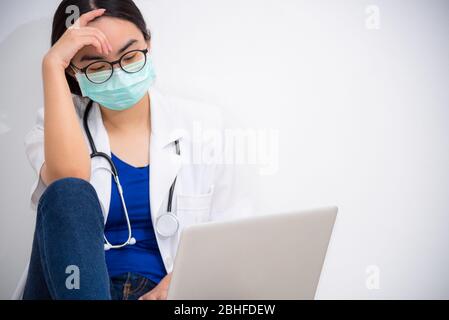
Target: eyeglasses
<point x="101" y="71"/>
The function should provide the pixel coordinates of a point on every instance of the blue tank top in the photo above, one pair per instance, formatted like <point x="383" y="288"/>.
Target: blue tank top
<point x="144" y="257"/>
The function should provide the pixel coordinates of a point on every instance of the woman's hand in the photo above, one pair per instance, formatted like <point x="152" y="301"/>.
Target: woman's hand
<point x="160" y="291"/>
<point x="77" y="37"/>
<point x="63" y="137"/>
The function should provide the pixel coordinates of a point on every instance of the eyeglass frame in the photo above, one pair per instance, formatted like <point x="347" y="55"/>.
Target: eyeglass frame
<point x="113" y="63"/>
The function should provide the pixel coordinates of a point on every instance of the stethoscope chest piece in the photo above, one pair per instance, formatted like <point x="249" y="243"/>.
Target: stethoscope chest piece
<point x="167" y="224"/>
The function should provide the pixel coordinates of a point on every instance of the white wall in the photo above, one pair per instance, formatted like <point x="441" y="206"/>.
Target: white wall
<point x="361" y="115"/>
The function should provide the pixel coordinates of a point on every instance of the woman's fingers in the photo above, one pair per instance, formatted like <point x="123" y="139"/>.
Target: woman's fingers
<point x="92" y="41"/>
<point x="89" y="16"/>
<point x="100" y="36"/>
<point x="78" y="36"/>
<point x="155" y="294"/>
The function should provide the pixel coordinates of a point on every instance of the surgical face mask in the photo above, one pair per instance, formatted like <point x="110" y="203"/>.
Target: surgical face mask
<point x="123" y="89"/>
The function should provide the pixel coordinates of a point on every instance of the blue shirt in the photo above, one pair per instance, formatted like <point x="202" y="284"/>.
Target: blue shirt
<point x="143" y="257"/>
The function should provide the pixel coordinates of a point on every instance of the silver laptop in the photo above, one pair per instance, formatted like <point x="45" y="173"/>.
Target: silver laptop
<point x="265" y="257"/>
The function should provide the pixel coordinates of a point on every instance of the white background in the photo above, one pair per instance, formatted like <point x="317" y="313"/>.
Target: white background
<point x="362" y="118"/>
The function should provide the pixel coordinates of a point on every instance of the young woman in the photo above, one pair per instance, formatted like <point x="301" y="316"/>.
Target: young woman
<point x="119" y="174"/>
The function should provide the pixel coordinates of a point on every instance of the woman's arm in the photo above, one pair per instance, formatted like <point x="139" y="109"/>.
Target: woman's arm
<point x="66" y="152"/>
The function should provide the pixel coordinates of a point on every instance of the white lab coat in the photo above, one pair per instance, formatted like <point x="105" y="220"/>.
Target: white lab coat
<point x="205" y="190"/>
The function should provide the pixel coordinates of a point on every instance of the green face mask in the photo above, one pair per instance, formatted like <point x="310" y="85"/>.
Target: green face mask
<point x="123" y="90"/>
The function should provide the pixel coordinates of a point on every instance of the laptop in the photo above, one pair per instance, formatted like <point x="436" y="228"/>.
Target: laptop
<point x="276" y="256"/>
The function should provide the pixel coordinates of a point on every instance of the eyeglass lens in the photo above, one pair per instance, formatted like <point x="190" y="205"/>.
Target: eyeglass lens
<point x="101" y="71"/>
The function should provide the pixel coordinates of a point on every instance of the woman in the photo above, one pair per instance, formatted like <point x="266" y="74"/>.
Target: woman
<point x="102" y="114"/>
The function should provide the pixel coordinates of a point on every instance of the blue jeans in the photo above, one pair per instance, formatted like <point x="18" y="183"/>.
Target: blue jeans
<point x="67" y="257"/>
<point x="130" y="286"/>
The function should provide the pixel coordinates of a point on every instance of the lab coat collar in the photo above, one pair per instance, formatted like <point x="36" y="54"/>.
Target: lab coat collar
<point x="165" y="125"/>
<point x="164" y="162"/>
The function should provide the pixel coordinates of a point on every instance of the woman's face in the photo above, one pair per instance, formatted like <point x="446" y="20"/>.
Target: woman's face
<point x="123" y="36"/>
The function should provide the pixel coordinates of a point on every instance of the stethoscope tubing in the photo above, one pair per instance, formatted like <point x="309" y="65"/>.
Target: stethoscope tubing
<point x="131" y="240"/>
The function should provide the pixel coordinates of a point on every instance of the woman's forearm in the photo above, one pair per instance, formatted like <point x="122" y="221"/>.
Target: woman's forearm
<point x="66" y="152"/>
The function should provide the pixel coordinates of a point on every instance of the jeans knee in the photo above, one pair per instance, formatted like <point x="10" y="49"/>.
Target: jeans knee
<point x="70" y="199"/>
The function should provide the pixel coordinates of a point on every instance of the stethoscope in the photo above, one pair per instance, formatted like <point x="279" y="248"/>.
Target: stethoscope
<point x="167" y="224"/>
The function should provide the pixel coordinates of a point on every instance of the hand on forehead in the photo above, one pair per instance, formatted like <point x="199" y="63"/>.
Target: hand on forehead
<point x="121" y="34"/>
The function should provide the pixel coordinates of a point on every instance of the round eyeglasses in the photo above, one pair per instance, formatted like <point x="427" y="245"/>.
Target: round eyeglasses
<point x="101" y="71"/>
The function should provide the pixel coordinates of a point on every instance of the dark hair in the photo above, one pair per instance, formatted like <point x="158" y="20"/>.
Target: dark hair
<point x="123" y="9"/>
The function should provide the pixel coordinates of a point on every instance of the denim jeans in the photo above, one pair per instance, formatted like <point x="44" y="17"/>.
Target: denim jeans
<point x="130" y="286"/>
<point x="67" y="257"/>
